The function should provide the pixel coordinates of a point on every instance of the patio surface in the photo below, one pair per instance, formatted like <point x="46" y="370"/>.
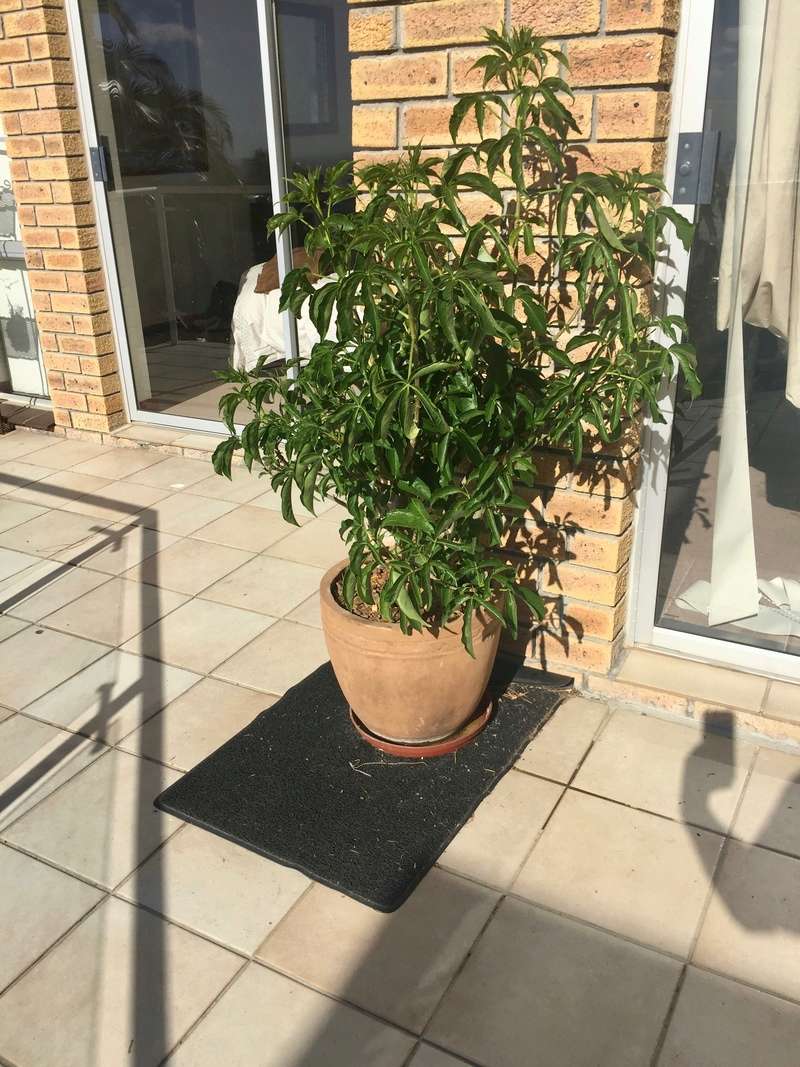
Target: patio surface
<point x="628" y="895"/>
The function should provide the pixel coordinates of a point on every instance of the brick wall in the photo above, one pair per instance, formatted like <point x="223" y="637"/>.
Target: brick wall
<point x="409" y="63"/>
<point x="53" y="194"/>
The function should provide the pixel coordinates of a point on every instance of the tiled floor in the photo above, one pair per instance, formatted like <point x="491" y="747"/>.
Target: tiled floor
<point x="628" y="895"/>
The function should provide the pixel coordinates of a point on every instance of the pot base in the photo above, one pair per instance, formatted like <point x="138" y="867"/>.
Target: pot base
<point x="415" y="750"/>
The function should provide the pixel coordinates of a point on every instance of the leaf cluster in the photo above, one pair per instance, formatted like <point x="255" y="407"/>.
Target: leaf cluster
<point x="452" y="346"/>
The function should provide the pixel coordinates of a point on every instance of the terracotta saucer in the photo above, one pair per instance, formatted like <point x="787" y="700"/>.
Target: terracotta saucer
<point x="442" y="747"/>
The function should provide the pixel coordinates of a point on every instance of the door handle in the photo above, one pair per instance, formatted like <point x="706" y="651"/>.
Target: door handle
<point x="98" y="157"/>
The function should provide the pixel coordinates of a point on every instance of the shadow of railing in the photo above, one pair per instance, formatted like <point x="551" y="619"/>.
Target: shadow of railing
<point x="149" y="1023"/>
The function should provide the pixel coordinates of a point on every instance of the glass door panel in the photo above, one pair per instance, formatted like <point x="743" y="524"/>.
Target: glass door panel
<point x="730" y="555"/>
<point x="179" y="109"/>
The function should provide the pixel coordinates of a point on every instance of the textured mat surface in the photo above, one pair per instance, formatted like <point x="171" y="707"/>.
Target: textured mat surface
<point x="299" y="786"/>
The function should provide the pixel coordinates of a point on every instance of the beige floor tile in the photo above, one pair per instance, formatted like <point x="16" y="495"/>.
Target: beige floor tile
<point x="19" y="586"/>
<point x="19" y="472"/>
<point x="494" y="843"/>
<point x="183" y="514"/>
<point x="770" y="810"/>
<point x="116" y="611"/>
<point x="149" y="432"/>
<point x="240" y="488"/>
<point x="268" y="1020"/>
<point x="117" y="463"/>
<point x="278" y="659"/>
<point x="308" y="613"/>
<point x="20" y="443"/>
<point x="57" y="584"/>
<point x="15" y="512"/>
<point x="668" y="768"/>
<point x="120" y="989"/>
<point x="102" y="823"/>
<point x="317" y="543"/>
<point x="752" y="927"/>
<point x="719" y="1023"/>
<point x="64" y="454"/>
<point x="703" y="681"/>
<point x="10" y="626"/>
<point x="272" y="500"/>
<point x="783" y="701"/>
<point x="428" y="1056"/>
<point x="173" y="473"/>
<point x="118" y="547"/>
<point x="197" y="723"/>
<point x="35" y="660"/>
<point x="216" y="888"/>
<point x="113" y="696"/>
<point x="251" y="529"/>
<point x="117" y="501"/>
<point x="562" y="743"/>
<point x="541" y="988"/>
<point x="61" y="489"/>
<point x="38" y="904"/>
<point x="200" y="635"/>
<point x="266" y="584"/>
<point x="52" y="533"/>
<point x="34" y="760"/>
<point x="397" y="966"/>
<point x="13" y="562"/>
<point x="189" y="566"/>
<point x="624" y="870"/>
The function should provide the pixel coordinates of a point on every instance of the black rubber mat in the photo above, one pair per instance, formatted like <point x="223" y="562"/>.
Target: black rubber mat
<point x="299" y="786"/>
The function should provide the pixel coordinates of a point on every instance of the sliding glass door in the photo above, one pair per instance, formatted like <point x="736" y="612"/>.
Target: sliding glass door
<point x="728" y="567"/>
<point x="187" y="103"/>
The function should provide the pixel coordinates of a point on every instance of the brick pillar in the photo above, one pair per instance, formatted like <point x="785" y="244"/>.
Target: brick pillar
<point x="409" y="64"/>
<point x="53" y="194"/>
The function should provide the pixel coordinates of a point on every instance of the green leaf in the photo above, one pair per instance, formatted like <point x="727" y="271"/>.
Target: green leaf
<point x="406" y="605"/>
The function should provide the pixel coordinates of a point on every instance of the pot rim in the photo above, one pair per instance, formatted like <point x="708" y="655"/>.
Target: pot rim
<point x="326" y="594"/>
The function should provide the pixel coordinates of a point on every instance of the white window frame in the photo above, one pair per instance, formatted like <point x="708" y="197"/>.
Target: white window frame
<point x="689" y="86"/>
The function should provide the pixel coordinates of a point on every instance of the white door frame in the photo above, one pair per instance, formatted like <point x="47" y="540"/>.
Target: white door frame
<point x="688" y="112"/>
<point x="277" y="173"/>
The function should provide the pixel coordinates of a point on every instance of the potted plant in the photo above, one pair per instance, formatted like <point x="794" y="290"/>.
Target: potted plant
<point x="459" y="345"/>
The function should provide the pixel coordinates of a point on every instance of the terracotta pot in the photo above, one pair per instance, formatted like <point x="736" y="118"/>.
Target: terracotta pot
<point x="409" y="688"/>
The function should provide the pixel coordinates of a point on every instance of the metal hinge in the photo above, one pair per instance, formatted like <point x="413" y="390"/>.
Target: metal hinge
<point x="97" y="158"/>
<point x="695" y="167"/>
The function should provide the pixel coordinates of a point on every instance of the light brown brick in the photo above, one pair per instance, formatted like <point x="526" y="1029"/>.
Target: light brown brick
<point x="24" y="147"/>
<point x="78" y="237"/>
<point x="399" y="77"/>
<point x="41" y="301"/>
<point x="106" y="364"/>
<point x="55" y="380"/>
<point x="56" y="96"/>
<point x="14" y="51"/>
<point x="85" y="281"/>
<point x="56" y="322"/>
<point x="584" y="583"/>
<point x="605" y="475"/>
<point x="44" y="20"/>
<point x="57" y="169"/>
<point x="73" y="401"/>
<point x="18" y="99"/>
<point x="374" y="126"/>
<point x="643" y="59"/>
<point x="58" y="361"/>
<point x="86" y="346"/>
<point x="71" y="192"/>
<point x="80" y="303"/>
<point x="92" y="324"/>
<point x="62" y="418"/>
<point x="463" y="78"/>
<point x="449" y="22"/>
<point x="34" y="259"/>
<point x="372" y="31"/>
<point x="42" y="72"/>
<point x="595" y="620"/>
<point x="82" y="259"/>
<point x="557" y="17"/>
<point x="642" y="15"/>
<point x="40" y="237"/>
<point x="18" y="170"/>
<point x="10" y="5"/>
<point x="632" y="115"/>
<point x="50" y="120"/>
<point x="52" y="281"/>
<point x="11" y="124"/>
<point x="6" y="81"/>
<point x="427" y="124"/>
<point x="65" y="215"/>
<point x="98" y="423"/>
<point x="63" y="144"/>
<point x="584" y="511"/>
<point x="106" y="405"/>
<point x="49" y="46"/>
<point x="89" y="383"/>
<point x="588" y="654"/>
<point x="621" y="155"/>
<point x="48" y="342"/>
<point x="605" y="553"/>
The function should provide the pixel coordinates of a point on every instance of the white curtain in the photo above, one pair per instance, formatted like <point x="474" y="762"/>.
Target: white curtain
<point x="759" y="284"/>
